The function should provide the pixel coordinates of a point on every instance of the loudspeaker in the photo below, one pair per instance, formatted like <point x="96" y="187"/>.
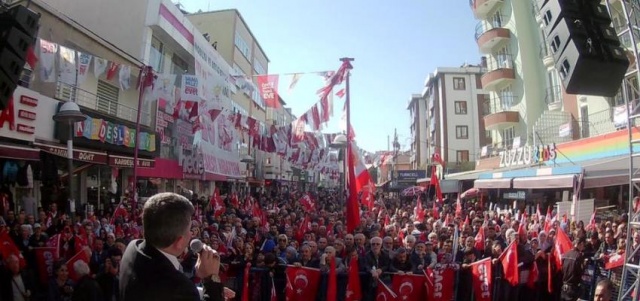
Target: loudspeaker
<point x="585" y="47"/>
<point x="19" y="26"/>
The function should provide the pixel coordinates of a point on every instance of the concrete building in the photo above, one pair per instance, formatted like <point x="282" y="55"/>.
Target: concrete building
<point x="417" y="110"/>
<point x="453" y="118"/>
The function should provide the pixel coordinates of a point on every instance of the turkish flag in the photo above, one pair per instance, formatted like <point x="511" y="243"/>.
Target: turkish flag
<point x="419" y="211"/>
<point x="509" y="260"/>
<point x="384" y="293"/>
<point x="217" y="203"/>
<point x="482" y="279"/>
<point x="354" y="290"/>
<point x="533" y="276"/>
<point x="245" y="285"/>
<point x="332" y="285"/>
<point x="8" y="248"/>
<point x="408" y="287"/>
<point x="436" y="183"/>
<point x="614" y="261"/>
<point x="302" y="283"/>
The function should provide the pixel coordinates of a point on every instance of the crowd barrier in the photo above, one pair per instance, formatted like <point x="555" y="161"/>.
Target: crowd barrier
<point x="260" y="280"/>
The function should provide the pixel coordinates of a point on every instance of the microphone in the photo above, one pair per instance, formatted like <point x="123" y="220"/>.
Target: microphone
<point x="196" y="246"/>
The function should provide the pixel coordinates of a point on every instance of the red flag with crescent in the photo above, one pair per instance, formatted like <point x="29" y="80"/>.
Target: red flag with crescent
<point x="303" y="283"/>
<point x="409" y="287"/>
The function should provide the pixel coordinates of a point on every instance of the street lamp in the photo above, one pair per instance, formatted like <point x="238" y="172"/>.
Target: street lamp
<point x="70" y="113"/>
<point x="339" y="142"/>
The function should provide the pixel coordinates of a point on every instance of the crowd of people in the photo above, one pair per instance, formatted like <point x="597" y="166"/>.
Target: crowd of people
<point x="276" y="231"/>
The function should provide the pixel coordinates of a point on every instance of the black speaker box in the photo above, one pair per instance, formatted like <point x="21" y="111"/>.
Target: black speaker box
<point x="15" y="40"/>
<point x="554" y="10"/>
<point x="583" y="71"/>
<point x="21" y="17"/>
<point x="565" y="32"/>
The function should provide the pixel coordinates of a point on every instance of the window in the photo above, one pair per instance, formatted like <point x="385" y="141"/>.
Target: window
<point x="462" y="156"/>
<point x="108" y="98"/>
<point x="258" y="68"/>
<point x="156" y="56"/>
<point x="506" y="98"/>
<point x="458" y="83"/>
<point x="242" y="45"/>
<point x="462" y="132"/>
<point x="178" y="65"/>
<point x="461" y="107"/>
<point x="507" y="136"/>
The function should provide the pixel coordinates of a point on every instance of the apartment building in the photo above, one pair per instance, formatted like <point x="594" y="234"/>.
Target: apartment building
<point x="543" y="141"/>
<point x="103" y="144"/>
<point x="419" y="152"/>
<point x="453" y="115"/>
<point x="230" y="34"/>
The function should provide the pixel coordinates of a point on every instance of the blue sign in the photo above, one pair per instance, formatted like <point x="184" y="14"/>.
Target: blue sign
<point x="411" y="175"/>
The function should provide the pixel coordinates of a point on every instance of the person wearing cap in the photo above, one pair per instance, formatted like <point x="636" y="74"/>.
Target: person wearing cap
<point x="38" y="239"/>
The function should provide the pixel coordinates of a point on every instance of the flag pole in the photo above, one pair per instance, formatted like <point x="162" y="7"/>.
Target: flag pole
<point x="347" y="60"/>
<point x="145" y="73"/>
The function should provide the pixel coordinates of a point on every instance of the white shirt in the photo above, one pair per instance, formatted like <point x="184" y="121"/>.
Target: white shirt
<point x="18" y="288"/>
<point x="173" y="259"/>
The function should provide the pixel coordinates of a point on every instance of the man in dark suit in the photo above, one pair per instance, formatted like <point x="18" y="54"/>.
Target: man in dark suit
<point x="150" y="269"/>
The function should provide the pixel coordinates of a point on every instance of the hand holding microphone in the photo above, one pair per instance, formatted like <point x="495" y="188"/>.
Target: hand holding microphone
<point x="208" y="263"/>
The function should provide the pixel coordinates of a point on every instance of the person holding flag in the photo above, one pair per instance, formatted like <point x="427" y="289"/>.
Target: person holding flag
<point x="573" y="264"/>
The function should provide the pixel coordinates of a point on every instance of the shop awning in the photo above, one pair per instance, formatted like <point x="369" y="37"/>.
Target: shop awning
<point x="19" y="152"/>
<point x="164" y="168"/>
<point x="79" y="154"/>
<point x="493" y="183"/>
<point x="607" y="172"/>
<point x="466" y="175"/>
<point x="541" y="182"/>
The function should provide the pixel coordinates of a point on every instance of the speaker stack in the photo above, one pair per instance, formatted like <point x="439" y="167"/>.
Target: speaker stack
<point x="18" y="31"/>
<point x="585" y="48"/>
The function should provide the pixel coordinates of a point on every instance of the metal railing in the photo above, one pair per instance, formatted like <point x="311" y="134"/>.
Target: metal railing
<point x="553" y="95"/>
<point x="598" y="123"/>
<point x="486" y="25"/>
<point x="499" y="104"/>
<point x="83" y="98"/>
<point x="500" y="61"/>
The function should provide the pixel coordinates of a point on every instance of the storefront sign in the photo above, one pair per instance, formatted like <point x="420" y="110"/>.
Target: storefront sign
<point x="127" y="162"/>
<point x="113" y="133"/>
<point x="218" y="165"/>
<point x="80" y="155"/>
<point x="17" y="120"/>
<point x="192" y="166"/>
<point x="411" y="175"/>
<point x="527" y="155"/>
<point x="515" y="195"/>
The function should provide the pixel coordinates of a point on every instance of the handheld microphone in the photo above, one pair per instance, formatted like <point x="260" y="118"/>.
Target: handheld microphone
<point x="196" y="246"/>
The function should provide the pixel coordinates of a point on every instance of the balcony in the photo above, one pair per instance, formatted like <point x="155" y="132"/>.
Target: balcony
<point x="500" y="74"/>
<point x="553" y="98"/>
<point x="500" y="114"/>
<point x="482" y="8"/>
<point x="91" y="101"/>
<point x="490" y="35"/>
<point x="546" y="56"/>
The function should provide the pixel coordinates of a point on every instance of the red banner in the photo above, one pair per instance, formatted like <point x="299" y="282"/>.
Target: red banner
<point x="268" y="87"/>
<point x="45" y="257"/>
<point x="481" y="274"/>
<point x="82" y="255"/>
<point x="440" y="282"/>
<point x="614" y="261"/>
<point x="409" y="287"/>
<point x="8" y="248"/>
<point x="302" y="283"/>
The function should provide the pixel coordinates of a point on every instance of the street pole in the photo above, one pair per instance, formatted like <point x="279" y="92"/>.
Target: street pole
<point x="145" y="72"/>
<point x="347" y="61"/>
<point x="72" y="197"/>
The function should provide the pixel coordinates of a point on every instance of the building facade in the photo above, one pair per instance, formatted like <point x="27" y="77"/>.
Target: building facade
<point x="417" y="110"/>
<point x="453" y="123"/>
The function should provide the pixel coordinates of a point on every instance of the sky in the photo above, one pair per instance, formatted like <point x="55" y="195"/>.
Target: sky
<point x="395" y="44"/>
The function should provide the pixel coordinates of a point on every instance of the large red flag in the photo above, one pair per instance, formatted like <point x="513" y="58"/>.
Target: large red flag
<point x="479" y="244"/>
<point x="8" y="247"/>
<point x="561" y="246"/>
<point x="353" y="206"/>
<point x="354" y="290"/>
<point x="408" y="287"/>
<point x="482" y="279"/>
<point x="509" y="260"/>
<point x="440" y="283"/>
<point x="419" y="211"/>
<point x="303" y="283"/>
<point x="436" y="183"/>
<point x="268" y="87"/>
<point x="82" y="255"/>
<point x="245" y="285"/>
<point x="384" y="293"/>
<point x="332" y="285"/>
<point x="45" y="257"/>
<point x="533" y="276"/>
